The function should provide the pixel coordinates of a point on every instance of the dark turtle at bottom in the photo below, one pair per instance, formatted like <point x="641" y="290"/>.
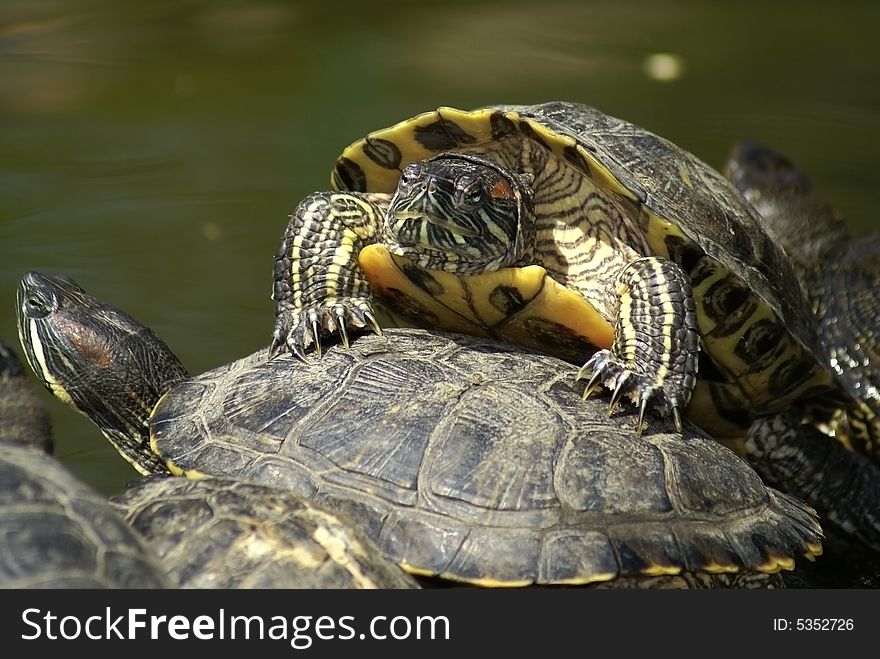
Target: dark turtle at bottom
<point x="460" y="474"/>
<point x="462" y="458"/>
<point x="56" y="532"/>
<point x="221" y="533"/>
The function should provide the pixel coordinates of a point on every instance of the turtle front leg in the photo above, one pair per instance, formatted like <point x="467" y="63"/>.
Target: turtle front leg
<point x="318" y="286"/>
<point x="653" y="359"/>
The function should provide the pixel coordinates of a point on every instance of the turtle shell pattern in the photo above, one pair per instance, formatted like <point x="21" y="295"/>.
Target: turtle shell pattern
<point x="222" y="533"/>
<point x="56" y="532"/>
<point x="478" y="461"/>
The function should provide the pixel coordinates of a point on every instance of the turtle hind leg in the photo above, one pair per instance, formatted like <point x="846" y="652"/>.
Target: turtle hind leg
<point x="653" y="359"/>
<point x="318" y="286"/>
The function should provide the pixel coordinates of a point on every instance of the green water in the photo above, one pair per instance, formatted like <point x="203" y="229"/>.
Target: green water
<point x="152" y="151"/>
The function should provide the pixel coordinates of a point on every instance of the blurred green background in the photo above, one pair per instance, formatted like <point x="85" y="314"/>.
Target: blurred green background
<point x="153" y="150"/>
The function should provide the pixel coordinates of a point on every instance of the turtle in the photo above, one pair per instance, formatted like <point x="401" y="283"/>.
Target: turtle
<point x="224" y="533"/>
<point x="557" y="226"/>
<point x="841" y="274"/>
<point x="57" y="532"/>
<point x="465" y="459"/>
<point x="160" y="532"/>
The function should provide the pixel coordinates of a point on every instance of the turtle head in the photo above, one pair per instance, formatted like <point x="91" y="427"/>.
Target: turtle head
<point x="97" y="359"/>
<point x="459" y="213"/>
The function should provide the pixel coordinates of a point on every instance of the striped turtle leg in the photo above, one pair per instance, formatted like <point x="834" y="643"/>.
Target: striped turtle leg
<point x="318" y="286"/>
<point x="842" y="485"/>
<point x="653" y="360"/>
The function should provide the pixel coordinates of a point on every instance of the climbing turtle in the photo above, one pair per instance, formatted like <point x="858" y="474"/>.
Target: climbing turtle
<point x="559" y="221"/>
<point x="56" y="532"/>
<point x="461" y="457"/>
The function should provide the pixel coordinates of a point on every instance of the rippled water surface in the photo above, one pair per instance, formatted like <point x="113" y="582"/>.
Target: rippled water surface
<point x="153" y="150"/>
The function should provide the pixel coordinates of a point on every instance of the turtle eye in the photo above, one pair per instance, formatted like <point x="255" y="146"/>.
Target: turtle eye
<point x="471" y="195"/>
<point x="36" y="307"/>
<point x="409" y="175"/>
<point x="475" y="195"/>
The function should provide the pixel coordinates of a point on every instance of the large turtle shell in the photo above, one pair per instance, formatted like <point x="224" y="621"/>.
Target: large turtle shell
<point x="477" y="461"/>
<point x="757" y="331"/>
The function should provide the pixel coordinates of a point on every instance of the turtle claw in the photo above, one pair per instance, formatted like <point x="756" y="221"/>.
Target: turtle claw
<point x="315" y="334"/>
<point x="340" y="326"/>
<point x="605" y="369"/>
<point x="593" y="384"/>
<point x="676" y="419"/>
<point x="619" y="390"/>
<point x="276" y="347"/>
<point x="298" y="329"/>
<point x="643" y="408"/>
<point x="373" y="322"/>
<point x="297" y="351"/>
